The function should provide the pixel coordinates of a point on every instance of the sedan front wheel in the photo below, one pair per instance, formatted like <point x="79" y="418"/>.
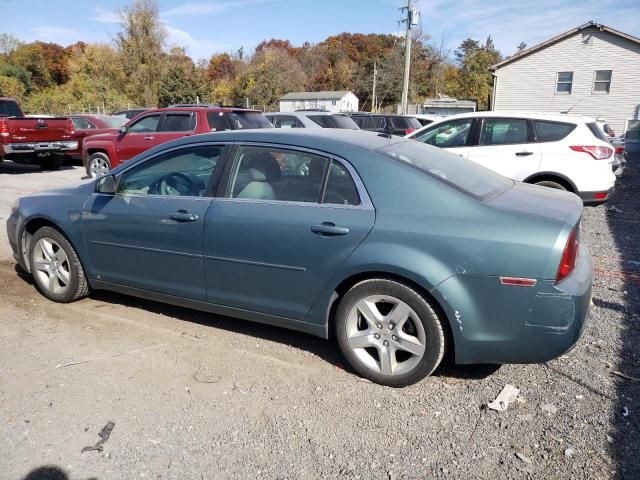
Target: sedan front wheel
<point x="389" y="333"/>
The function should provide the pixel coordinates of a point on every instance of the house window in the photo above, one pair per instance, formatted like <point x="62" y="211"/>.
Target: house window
<point x="564" y="82"/>
<point x="334" y="102"/>
<point x="602" y="81"/>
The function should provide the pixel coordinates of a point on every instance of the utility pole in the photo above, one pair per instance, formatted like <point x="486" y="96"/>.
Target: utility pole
<point x="413" y="17"/>
<point x="373" y="95"/>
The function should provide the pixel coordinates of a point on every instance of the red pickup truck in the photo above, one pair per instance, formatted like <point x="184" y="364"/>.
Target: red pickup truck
<point x="101" y="153"/>
<point x="42" y="141"/>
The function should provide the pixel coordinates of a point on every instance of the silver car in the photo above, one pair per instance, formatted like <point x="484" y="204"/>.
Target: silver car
<point x="311" y="119"/>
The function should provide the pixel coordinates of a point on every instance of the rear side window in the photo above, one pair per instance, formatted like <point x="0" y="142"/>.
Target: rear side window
<point x="178" y="123"/>
<point x="9" y="109"/>
<point x="340" y="189"/>
<point x="457" y="172"/>
<point x="217" y="122"/>
<point x="286" y="121"/>
<point x="597" y="131"/>
<point x="82" y="123"/>
<point x="323" y="120"/>
<point x="334" y="121"/>
<point x="552" y="131"/>
<point x="503" y="131"/>
<point x="405" y="123"/>
<point x="240" y="120"/>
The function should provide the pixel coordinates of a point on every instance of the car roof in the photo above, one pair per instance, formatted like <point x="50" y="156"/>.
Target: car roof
<point x="555" y="117"/>
<point x="301" y="137"/>
<point x="304" y="113"/>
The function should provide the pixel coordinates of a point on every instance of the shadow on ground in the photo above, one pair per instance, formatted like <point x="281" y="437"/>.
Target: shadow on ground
<point x="623" y="217"/>
<point x="19" y="168"/>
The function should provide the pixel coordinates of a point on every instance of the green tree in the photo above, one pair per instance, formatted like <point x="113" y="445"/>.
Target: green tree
<point x="31" y="57"/>
<point x="18" y="73"/>
<point x="12" y="88"/>
<point x="180" y="82"/>
<point x="474" y="78"/>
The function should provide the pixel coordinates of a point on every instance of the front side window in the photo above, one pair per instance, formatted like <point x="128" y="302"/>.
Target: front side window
<point x="564" y="82"/>
<point x="602" y="81"/>
<point x="184" y="172"/>
<point x="454" y="133"/>
<point x="503" y="131"/>
<point x="82" y="123"/>
<point x="178" y="122"/>
<point x="459" y="173"/>
<point x="146" y="124"/>
<point x="265" y="173"/>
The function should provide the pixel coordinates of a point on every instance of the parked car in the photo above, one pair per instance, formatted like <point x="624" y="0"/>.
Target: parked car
<point x="558" y="151"/>
<point x="426" y="119"/>
<point x="390" y="124"/>
<point x="420" y="251"/>
<point x="101" y="153"/>
<point x="41" y="140"/>
<point x="311" y="119"/>
<point x="87" y="125"/>
<point x="129" y="114"/>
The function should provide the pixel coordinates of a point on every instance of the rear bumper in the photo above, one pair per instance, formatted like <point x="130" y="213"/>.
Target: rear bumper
<point x="40" y="147"/>
<point x="595" y="198"/>
<point x="510" y="324"/>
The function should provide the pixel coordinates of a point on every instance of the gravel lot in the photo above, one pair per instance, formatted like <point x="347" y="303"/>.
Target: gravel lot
<point x="200" y="396"/>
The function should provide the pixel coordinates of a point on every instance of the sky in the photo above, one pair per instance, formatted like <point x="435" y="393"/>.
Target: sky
<point x="213" y="26"/>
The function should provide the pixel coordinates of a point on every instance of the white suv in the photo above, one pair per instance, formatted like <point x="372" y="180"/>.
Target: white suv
<point x="557" y="151"/>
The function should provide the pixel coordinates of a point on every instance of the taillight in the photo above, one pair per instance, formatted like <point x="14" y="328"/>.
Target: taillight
<point x="4" y="130"/>
<point x="596" y="151"/>
<point x="409" y="130"/>
<point x="569" y="255"/>
<point x="619" y="150"/>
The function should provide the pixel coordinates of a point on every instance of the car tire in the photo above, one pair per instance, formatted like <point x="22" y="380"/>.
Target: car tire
<point x="55" y="267"/>
<point x="375" y="347"/>
<point x="50" y="163"/>
<point x="551" y="184"/>
<point x="98" y="164"/>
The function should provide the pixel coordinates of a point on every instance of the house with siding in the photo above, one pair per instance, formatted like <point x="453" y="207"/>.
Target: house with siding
<point x="341" y="101"/>
<point x="592" y="70"/>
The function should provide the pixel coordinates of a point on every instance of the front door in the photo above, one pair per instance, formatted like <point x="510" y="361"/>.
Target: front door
<point x="507" y="146"/>
<point x="140" y="136"/>
<point x="149" y="234"/>
<point x="287" y="221"/>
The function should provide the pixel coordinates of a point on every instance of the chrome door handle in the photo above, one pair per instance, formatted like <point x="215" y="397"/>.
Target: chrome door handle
<point x="182" y="216"/>
<point x="329" y="229"/>
<point x="149" y="138"/>
<point x="523" y="154"/>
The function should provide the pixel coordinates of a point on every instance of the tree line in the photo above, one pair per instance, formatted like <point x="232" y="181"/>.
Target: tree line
<point x="139" y="69"/>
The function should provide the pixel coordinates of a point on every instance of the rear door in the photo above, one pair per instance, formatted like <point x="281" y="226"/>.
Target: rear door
<point x="140" y="136"/>
<point x="175" y="125"/>
<point x="507" y="146"/>
<point x="455" y="135"/>
<point x="277" y="234"/>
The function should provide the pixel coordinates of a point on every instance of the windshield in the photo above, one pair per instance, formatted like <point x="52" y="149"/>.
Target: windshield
<point x="248" y="120"/>
<point x="114" y="121"/>
<point x="461" y="174"/>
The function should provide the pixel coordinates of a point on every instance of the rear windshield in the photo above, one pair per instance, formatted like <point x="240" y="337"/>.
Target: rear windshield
<point x="405" y="123"/>
<point x="455" y="171"/>
<point x="334" y="121"/>
<point x="552" y="131"/>
<point x="597" y="131"/>
<point x="9" y="109"/>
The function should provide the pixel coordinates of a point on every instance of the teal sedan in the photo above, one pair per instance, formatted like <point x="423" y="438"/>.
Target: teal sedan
<point x="399" y="251"/>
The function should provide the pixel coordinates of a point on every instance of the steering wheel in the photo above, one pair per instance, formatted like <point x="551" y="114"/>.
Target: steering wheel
<point x="177" y="183"/>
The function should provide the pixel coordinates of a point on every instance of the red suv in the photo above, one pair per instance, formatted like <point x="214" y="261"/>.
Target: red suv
<point x="101" y="153"/>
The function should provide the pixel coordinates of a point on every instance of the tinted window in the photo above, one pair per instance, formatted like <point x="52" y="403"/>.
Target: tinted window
<point x="334" y="121"/>
<point x="82" y="124"/>
<point x="145" y="125"/>
<point x="263" y="173"/>
<point x="323" y="120"/>
<point x="379" y="122"/>
<point x="454" y="133"/>
<point x="184" y="172"/>
<point x="217" y="121"/>
<point x="552" y="131"/>
<point x="404" y="123"/>
<point x="178" y="123"/>
<point x="503" y="131"/>
<point x="282" y="121"/>
<point x="597" y="131"/>
<point x="9" y="109"/>
<point x="240" y="120"/>
<point x="453" y="170"/>
<point x="340" y="188"/>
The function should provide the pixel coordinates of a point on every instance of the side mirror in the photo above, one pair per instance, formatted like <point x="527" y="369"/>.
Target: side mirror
<point x="106" y="184"/>
<point x="123" y="129"/>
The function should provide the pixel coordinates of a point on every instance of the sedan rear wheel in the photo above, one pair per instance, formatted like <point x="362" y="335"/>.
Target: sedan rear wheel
<point x="98" y="165"/>
<point x="389" y="333"/>
<point x="55" y="267"/>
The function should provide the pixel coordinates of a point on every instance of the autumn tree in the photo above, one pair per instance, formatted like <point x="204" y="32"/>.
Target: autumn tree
<point x="474" y="78"/>
<point x="31" y="57"/>
<point x="12" y="88"/>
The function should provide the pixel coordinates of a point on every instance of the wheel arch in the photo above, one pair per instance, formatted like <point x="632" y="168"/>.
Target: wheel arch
<point x="553" y="177"/>
<point x="30" y="227"/>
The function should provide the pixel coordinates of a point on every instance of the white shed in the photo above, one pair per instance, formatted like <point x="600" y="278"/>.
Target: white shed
<point x="592" y="70"/>
<point x="332" y="101"/>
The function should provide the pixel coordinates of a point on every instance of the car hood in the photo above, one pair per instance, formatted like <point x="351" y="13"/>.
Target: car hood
<point x="544" y="202"/>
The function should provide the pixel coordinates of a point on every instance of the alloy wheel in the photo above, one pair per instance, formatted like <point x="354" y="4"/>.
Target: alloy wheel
<point x="98" y="167"/>
<point x="51" y="266"/>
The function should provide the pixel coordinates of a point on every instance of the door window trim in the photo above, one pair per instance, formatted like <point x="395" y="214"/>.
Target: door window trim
<point x="222" y="190"/>
<point x="213" y="181"/>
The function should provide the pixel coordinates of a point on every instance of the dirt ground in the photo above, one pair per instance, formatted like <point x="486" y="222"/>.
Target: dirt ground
<point x="194" y="395"/>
